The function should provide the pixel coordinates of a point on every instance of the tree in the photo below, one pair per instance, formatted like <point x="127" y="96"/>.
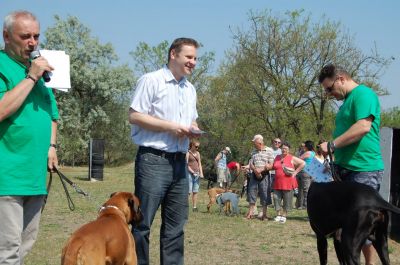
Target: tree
<point x="391" y="118"/>
<point x="148" y="59"/>
<point x="93" y="107"/>
<point x="270" y="76"/>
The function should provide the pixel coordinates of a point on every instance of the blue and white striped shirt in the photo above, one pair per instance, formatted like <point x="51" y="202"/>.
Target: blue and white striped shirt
<point x="160" y="95"/>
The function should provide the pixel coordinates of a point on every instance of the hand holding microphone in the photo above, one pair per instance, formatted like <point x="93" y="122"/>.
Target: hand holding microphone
<point x="39" y="66"/>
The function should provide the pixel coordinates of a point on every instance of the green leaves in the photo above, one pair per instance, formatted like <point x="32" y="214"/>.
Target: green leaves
<point x="99" y="93"/>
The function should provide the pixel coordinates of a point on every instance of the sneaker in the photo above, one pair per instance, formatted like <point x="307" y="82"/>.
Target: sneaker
<point x="278" y="218"/>
<point x="283" y="220"/>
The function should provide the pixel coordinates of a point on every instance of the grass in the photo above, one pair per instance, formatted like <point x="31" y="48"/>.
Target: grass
<point x="209" y="238"/>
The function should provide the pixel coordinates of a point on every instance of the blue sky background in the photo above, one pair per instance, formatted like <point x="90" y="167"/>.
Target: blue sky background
<point x="125" y="23"/>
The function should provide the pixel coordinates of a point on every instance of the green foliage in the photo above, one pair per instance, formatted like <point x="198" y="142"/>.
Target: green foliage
<point x="148" y="59"/>
<point x="94" y="106"/>
<point x="391" y="118"/>
<point x="268" y="83"/>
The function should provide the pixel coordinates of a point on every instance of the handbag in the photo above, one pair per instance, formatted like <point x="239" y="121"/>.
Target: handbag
<point x="289" y="171"/>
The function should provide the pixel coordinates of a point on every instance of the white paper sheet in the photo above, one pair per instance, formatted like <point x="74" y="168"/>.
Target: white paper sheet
<point x="60" y="76"/>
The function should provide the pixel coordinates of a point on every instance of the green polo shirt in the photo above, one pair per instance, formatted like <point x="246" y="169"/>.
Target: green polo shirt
<point x="364" y="155"/>
<point x="25" y="135"/>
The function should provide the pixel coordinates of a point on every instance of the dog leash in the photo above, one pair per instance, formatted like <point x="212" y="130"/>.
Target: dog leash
<point x="335" y="176"/>
<point x="64" y="180"/>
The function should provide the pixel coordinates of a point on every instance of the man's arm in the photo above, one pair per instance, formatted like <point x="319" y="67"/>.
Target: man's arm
<point x="13" y="99"/>
<point x="352" y="135"/>
<point x="151" y="123"/>
<point x="355" y="132"/>
<point x="52" y="160"/>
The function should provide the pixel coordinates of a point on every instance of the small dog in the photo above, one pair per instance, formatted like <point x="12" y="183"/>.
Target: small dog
<point x="212" y="194"/>
<point x="108" y="239"/>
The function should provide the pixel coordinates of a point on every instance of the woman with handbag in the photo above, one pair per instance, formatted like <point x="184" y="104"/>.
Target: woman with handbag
<point x="195" y="170"/>
<point x="286" y="167"/>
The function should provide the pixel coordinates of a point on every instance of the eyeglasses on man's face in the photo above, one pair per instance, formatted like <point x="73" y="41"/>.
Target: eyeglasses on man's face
<point x="329" y="89"/>
<point x="276" y="142"/>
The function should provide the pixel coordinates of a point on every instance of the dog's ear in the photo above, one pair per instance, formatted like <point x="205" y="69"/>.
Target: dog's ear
<point x="136" y="214"/>
<point x="112" y="194"/>
<point x="132" y="205"/>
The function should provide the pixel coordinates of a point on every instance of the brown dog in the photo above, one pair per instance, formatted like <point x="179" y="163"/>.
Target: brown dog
<point x="108" y="239"/>
<point x="212" y="194"/>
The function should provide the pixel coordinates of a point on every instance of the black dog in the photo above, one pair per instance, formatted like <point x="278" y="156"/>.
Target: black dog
<point x="355" y="210"/>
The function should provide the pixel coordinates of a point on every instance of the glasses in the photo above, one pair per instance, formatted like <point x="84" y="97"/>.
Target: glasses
<point x="197" y="146"/>
<point x="330" y="88"/>
<point x="276" y="142"/>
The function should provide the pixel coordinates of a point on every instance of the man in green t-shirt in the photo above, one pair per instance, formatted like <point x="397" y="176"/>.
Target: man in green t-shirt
<point x="356" y="140"/>
<point x="28" y="125"/>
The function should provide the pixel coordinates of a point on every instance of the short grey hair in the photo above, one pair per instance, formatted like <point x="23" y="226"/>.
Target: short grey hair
<point x="9" y="20"/>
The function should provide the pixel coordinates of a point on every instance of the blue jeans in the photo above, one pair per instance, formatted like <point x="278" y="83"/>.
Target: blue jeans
<point x="194" y="183"/>
<point x="161" y="181"/>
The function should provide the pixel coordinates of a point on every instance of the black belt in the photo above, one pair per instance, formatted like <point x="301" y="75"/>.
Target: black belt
<point x="168" y="155"/>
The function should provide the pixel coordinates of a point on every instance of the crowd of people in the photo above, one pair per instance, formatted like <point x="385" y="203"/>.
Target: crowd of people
<point x="273" y="175"/>
<point x="163" y="116"/>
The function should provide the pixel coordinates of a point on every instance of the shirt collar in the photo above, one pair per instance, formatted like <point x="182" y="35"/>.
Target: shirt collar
<point x="169" y="77"/>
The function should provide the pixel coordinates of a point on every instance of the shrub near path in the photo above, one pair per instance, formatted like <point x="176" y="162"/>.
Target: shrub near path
<point x="210" y="238"/>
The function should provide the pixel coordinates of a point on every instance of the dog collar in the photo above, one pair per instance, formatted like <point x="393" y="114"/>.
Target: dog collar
<point x="102" y="208"/>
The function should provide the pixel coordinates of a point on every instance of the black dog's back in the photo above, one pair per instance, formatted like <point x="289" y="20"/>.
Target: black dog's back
<point x="326" y="200"/>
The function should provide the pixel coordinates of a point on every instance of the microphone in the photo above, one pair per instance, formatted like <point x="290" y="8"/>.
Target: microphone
<point x="35" y="54"/>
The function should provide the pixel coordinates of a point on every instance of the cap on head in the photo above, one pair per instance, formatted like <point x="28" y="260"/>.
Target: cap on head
<point x="257" y="137"/>
<point x="228" y="149"/>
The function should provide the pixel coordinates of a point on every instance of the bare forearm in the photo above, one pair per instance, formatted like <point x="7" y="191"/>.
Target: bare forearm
<point x="53" y="139"/>
<point x="13" y="99"/>
<point x="354" y="133"/>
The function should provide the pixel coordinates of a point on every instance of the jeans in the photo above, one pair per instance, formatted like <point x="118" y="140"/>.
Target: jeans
<point x="370" y="178"/>
<point x="194" y="183"/>
<point x="259" y="187"/>
<point x="161" y="181"/>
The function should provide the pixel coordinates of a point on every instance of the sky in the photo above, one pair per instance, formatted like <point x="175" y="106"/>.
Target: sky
<point x="125" y="23"/>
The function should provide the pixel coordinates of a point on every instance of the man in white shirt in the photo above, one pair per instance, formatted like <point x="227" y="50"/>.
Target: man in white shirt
<point x="163" y="116"/>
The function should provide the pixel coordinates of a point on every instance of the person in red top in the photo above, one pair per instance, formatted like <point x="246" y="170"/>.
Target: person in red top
<point x="286" y="167"/>
<point x="234" y="171"/>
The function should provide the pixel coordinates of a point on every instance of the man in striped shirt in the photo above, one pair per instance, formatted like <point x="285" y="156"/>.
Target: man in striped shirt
<point x="260" y="157"/>
<point x="163" y="116"/>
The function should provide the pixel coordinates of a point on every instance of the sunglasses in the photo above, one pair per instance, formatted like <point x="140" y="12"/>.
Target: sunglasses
<point x="330" y="88"/>
<point x="197" y="146"/>
<point x="277" y="142"/>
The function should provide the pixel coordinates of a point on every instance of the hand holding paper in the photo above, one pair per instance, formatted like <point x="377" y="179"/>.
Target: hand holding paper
<point x="60" y="76"/>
